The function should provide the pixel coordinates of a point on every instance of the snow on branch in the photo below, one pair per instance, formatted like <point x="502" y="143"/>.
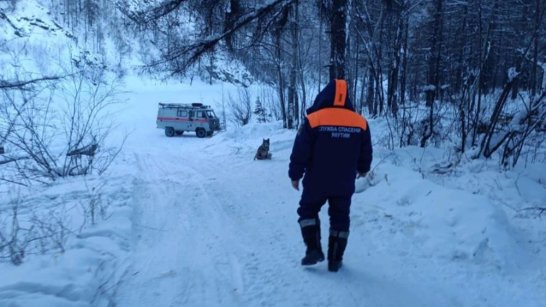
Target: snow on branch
<point x="185" y="56"/>
<point x="17" y="30"/>
<point x="512" y="74"/>
<point x="147" y="15"/>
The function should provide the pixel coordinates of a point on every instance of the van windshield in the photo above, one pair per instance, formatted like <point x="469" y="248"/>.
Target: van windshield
<point x="210" y="114"/>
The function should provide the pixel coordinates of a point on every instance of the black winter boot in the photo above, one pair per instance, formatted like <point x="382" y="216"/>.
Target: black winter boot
<point x="310" y="231"/>
<point x="337" y="242"/>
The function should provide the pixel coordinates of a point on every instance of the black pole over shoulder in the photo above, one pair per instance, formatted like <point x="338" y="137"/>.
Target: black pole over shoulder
<point x="338" y="38"/>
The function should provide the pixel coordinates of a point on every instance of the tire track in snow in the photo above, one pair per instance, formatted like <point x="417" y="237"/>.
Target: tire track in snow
<point x="179" y="255"/>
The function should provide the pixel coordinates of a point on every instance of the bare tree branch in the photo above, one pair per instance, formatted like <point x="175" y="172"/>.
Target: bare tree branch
<point x="11" y="85"/>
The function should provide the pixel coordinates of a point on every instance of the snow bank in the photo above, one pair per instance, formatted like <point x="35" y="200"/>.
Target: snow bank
<point x="448" y="223"/>
<point x="87" y="269"/>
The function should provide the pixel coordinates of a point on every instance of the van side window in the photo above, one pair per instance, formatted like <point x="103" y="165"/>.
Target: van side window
<point x="182" y="113"/>
<point x="200" y="114"/>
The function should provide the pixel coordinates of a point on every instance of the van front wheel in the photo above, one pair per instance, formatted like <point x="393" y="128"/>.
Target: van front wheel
<point x="169" y="131"/>
<point x="201" y="133"/>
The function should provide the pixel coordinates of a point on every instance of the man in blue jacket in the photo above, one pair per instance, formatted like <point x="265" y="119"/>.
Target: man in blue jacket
<point x="333" y="147"/>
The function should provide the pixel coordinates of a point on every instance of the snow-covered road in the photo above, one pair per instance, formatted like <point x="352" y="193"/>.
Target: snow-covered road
<point x="213" y="227"/>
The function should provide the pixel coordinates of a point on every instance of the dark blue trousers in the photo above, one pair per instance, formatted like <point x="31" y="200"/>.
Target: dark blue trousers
<point x="338" y="210"/>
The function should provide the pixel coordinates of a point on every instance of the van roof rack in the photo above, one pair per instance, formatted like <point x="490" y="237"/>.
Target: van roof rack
<point x="183" y="105"/>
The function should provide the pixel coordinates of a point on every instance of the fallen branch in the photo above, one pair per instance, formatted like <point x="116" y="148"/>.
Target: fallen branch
<point x="539" y="209"/>
<point x="88" y="150"/>
<point x="11" y="85"/>
<point x="14" y="159"/>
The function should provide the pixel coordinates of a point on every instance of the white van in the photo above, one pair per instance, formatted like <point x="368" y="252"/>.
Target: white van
<point x="176" y="118"/>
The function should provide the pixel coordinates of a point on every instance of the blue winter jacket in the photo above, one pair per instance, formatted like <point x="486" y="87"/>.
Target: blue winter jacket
<point x="332" y="145"/>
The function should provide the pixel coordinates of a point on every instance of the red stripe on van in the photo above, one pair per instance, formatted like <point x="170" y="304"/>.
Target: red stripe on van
<point x="176" y="119"/>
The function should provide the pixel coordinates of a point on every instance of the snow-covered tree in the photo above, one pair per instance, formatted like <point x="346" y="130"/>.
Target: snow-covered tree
<point x="260" y="111"/>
